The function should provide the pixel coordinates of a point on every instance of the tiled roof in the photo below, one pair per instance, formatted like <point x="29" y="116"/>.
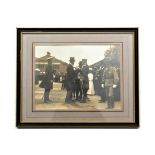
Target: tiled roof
<point x="44" y="59"/>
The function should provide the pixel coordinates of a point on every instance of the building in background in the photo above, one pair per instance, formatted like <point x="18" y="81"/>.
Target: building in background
<point x="59" y="66"/>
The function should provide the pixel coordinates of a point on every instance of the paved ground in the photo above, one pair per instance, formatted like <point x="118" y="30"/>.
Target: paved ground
<point x="58" y="96"/>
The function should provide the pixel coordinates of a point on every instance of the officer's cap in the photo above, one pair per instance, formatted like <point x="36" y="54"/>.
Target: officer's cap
<point x="72" y="59"/>
<point x="84" y="60"/>
<point x="80" y="62"/>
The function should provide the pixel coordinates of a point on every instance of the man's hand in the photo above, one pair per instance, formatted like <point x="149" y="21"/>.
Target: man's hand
<point x="102" y="85"/>
<point x="114" y="86"/>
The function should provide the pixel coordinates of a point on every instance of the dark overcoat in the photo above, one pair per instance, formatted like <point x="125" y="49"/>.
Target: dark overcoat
<point x="85" y="71"/>
<point x="77" y="79"/>
<point x="70" y="77"/>
<point x="48" y="78"/>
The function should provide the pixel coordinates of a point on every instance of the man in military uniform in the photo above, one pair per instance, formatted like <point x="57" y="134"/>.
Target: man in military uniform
<point x="117" y="89"/>
<point x="85" y="82"/>
<point x="48" y="80"/>
<point x="101" y="89"/>
<point x="70" y="77"/>
<point x="110" y="80"/>
<point x="78" y="84"/>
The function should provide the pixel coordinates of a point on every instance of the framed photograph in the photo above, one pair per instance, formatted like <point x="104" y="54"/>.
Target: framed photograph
<point x="77" y="78"/>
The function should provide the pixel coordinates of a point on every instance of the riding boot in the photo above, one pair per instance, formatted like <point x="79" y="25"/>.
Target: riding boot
<point x="109" y="103"/>
<point x="45" y="97"/>
<point x="68" y="98"/>
<point x="48" y="96"/>
<point x="84" y="99"/>
<point x="112" y="102"/>
<point x="48" y="93"/>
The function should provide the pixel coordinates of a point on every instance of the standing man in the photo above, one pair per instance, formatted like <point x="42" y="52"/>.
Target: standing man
<point x="48" y="80"/>
<point x="78" y="83"/>
<point x="97" y="80"/>
<point x="110" y="82"/>
<point x="102" y="89"/>
<point x="85" y="84"/>
<point x="70" y="76"/>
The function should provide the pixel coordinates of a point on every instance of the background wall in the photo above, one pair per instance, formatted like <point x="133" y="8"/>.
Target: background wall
<point x="80" y="13"/>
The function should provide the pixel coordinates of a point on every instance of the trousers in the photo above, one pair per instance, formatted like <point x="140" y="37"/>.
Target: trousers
<point x="46" y="94"/>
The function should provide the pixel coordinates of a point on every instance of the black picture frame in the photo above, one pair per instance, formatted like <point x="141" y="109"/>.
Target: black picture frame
<point x="19" y="124"/>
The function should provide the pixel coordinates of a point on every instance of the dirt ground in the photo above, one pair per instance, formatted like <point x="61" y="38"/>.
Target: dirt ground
<point x="58" y="102"/>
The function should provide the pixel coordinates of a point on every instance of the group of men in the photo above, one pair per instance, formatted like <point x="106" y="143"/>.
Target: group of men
<point x="77" y="82"/>
<point x="99" y="81"/>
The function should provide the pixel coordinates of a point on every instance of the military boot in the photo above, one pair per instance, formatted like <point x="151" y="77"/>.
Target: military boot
<point x="45" y="97"/>
<point x="108" y="103"/>
<point x="112" y="102"/>
<point x="49" y="101"/>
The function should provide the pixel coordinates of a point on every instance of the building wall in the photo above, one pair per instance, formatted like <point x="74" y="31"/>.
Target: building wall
<point x="57" y="67"/>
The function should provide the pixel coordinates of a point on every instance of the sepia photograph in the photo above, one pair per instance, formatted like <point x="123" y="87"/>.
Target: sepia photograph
<point x="77" y="78"/>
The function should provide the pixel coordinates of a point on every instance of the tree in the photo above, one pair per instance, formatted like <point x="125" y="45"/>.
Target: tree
<point x="114" y="55"/>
